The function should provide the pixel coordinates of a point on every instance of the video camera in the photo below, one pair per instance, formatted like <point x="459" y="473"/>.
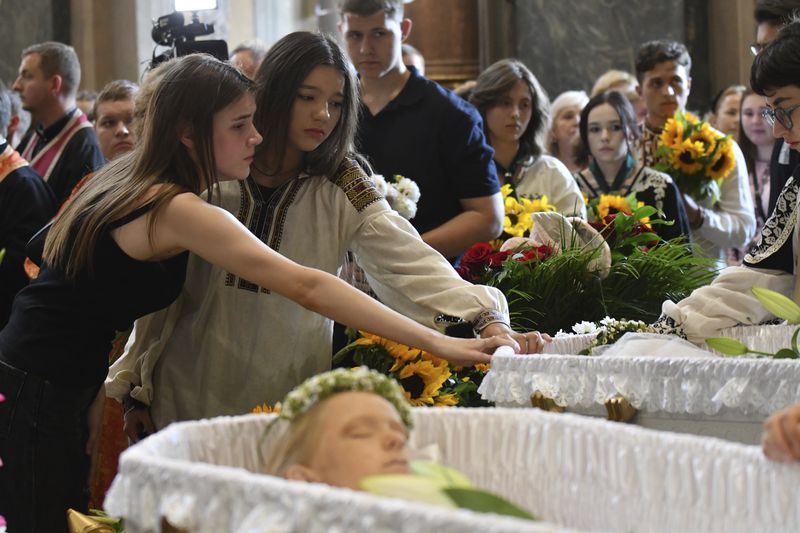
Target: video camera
<point x="171" y="30"/>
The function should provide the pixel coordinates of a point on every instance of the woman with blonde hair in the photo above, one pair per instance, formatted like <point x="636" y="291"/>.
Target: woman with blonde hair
<point x="516" y="115"/>
<point x="563" y="137"/>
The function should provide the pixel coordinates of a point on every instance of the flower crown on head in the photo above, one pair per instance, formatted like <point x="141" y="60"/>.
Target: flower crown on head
<point x="362" y="379"/>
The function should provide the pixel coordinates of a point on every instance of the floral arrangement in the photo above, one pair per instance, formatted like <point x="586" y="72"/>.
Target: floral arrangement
<point x="426" y="380"/>
<point x="319" y="387"/>
<point x="607" y="330"/>
<point x="401" y="193"/>
<point x="620" y="269"/>
<point x="780" y="306"/>
<point x="696" y="156"/>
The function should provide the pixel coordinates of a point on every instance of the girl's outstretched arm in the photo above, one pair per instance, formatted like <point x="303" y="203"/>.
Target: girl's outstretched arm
<point x="189" y="223"/>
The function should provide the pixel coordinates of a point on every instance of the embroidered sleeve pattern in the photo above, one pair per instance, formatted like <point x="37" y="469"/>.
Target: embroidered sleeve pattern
<point x="779" y="227"/>
<point x="666" y="325"/>
<point x="489" y="316"/>
<point x="357" y="186"/>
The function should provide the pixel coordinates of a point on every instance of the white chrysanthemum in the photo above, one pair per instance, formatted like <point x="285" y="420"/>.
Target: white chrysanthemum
<point x="584" y="327"/>
<point x="561" y="333"/>
<point x="405" y="207"/>
<point x="380" y="184"/>
<point x="408" y="188"/>
<point x="607" y="321"/>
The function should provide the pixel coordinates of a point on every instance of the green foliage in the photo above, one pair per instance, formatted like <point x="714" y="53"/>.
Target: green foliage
<point x="556" y="292"/>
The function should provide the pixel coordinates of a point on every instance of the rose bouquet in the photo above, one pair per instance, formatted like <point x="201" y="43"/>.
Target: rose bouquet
<point x="697" y="156"/>
<point x="574" y="271"/>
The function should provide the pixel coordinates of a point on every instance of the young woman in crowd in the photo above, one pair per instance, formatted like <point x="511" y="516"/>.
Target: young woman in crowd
<point x="756" y="142"/>
<point x="515" y="111"/>
<point x="724" y="113"/>
<point x="311" y="202"/>
<point x="127" y="234"/>
<point x="607" y="129"/>
<point x="563" y="136"/>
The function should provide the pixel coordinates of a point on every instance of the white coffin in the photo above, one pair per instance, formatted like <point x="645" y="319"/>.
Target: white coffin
<point x="575" y="472"/>
<point x="723" y="397"/>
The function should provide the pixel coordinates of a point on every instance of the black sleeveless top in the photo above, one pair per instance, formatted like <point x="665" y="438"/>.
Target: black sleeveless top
<point x="62" y="330"/>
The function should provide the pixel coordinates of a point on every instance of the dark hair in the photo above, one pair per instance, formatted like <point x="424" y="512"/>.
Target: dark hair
<point x="190" y="92"/>
<point x="778" y="63"/>
<point x="495" y="82"/>
<point x="775" y="12"/>
<point x="58" y="58"/>
<point x="627" y="116"/>
<point x="5" y="110"/>
<point x="287" y="64"/>
<point x="113" y="92"/>
<point x="652" y="53"/>
<point x="367" y="8"/>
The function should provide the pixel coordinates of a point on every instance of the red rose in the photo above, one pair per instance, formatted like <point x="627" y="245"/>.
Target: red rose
<point x="476" y="258"/>
<point x="464" y="272"/>
<point x="497" y="258"/>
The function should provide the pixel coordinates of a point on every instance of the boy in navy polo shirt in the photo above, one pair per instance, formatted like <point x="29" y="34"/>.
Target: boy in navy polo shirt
<point x="413" y="127"/>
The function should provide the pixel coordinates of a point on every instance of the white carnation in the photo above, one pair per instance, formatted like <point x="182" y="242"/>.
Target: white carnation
<point x="584" y="327"/>
<point x="380" y="184"/>
<point x="405" y="207"/>
<point x="408" y="188"/>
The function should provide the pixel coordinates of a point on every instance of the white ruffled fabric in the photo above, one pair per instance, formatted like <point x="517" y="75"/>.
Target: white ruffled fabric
<point x="708" y="386"/>
<point x="573" y="471"/>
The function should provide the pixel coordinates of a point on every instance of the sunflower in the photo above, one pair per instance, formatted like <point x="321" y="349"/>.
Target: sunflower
<point x="608" y="202"/>
<point x="506" y="190"/>
<point x="446" y="400"/>
<point x="399" y="351"/>
<point x="723" y="161"/>
<point x="265" y="408"/>
<point x="421" y="381"/>
<point x="672" y="134"/>
<point x="483" y="367"/>
<point x="517" y="221"/>
<point x="684" y="157"/>
<point x="707" y="136"/>
<point x="537" y="205"/>
<point x="691" y="119"/>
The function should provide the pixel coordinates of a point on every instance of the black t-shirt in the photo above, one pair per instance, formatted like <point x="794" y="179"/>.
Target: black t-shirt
<point x="430" y="135"/>
<point x="82" y="155"/>
<point x="62" y="329"/>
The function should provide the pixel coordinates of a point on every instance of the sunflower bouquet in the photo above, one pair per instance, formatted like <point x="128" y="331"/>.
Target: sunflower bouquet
<point x="427" y="380"/>
<point x="517" y="220"/>
<point x="697" y="156"/>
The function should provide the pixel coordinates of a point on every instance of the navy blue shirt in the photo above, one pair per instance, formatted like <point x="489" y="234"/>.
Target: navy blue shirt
<point x="432" y="136"/>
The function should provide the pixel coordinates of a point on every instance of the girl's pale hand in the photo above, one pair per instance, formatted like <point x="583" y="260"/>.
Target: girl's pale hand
<point x="467" y="352"/>
<point x="781" y="438"/>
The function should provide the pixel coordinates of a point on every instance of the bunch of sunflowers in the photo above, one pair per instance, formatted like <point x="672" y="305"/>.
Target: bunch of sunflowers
<point x="697" y="156"/>
<point x="427" y="380"/>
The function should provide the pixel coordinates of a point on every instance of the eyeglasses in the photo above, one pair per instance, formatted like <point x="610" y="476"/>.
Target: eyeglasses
<point x="755" y="48"/>
<point x="783" y="116"/>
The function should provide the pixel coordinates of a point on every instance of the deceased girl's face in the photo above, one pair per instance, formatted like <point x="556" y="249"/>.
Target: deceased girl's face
<point x="360" y="434"/>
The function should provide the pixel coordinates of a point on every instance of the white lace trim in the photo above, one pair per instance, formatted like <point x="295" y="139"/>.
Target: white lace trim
<point x="746" y="387"/>
<point x="573" y="471"/>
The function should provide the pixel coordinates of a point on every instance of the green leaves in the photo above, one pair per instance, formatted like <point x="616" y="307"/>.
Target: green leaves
<point x="727" y="345"/>
<point x="485" y="502"/>
<point x="778" y="304"/>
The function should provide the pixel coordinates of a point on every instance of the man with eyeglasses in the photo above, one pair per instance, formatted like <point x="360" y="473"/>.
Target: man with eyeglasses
<point x="772" y="263"/>
<point x="770" y="17"/>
